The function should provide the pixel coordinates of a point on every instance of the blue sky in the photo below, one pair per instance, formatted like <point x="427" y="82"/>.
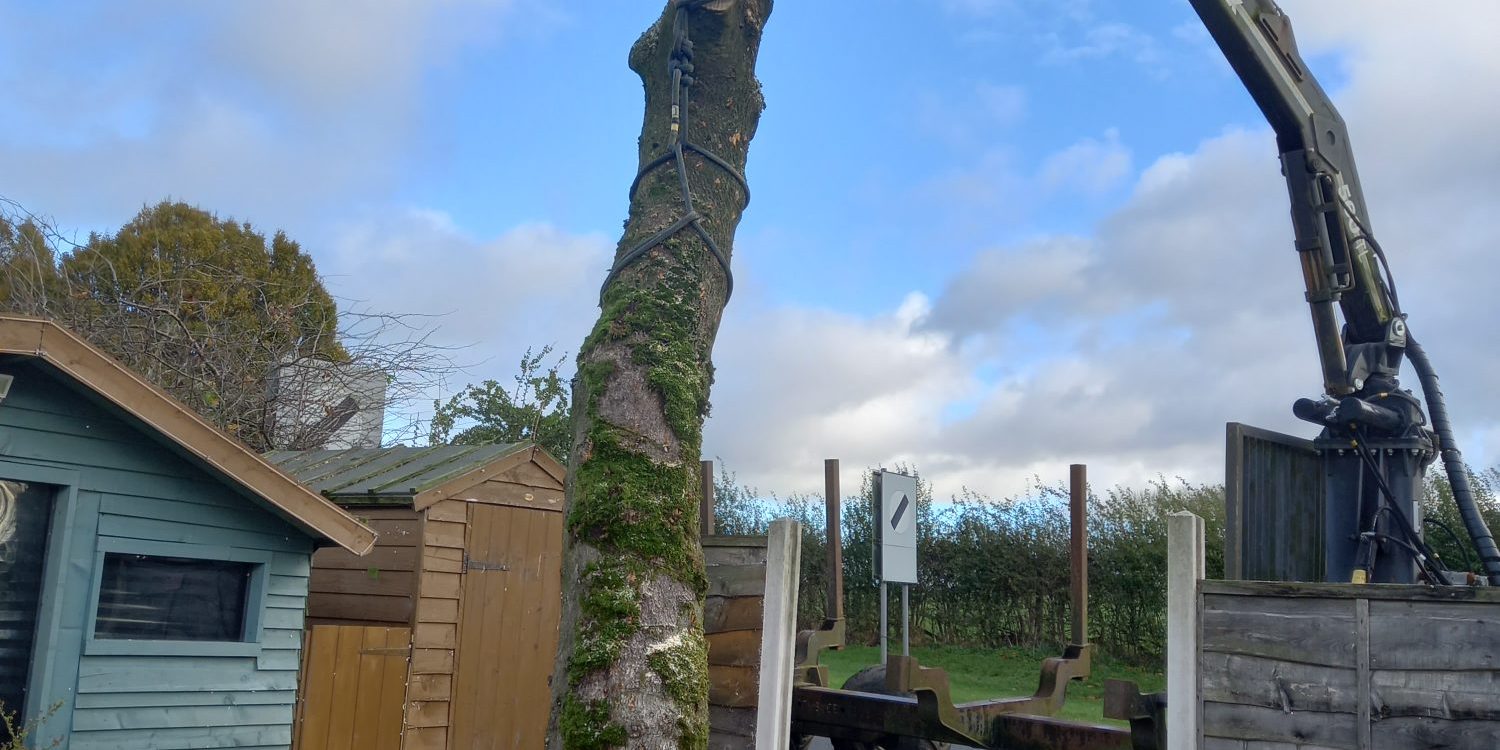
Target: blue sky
<point x="988" y="237"/>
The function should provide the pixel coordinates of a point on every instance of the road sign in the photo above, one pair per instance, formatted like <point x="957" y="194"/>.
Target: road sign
<point x="896" y="533"/>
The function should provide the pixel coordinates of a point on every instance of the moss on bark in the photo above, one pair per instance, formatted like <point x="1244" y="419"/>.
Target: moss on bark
<point x="588" y="726"/>
<point x="683" y="674"/>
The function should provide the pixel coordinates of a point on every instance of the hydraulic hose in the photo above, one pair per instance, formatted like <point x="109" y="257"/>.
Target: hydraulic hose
<point x="1453" y="462"/>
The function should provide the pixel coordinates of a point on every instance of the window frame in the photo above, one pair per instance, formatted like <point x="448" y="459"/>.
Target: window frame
<point x="255" y="600"/>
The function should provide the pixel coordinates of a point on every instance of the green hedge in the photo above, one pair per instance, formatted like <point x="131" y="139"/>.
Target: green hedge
<point x="994" y="573"/>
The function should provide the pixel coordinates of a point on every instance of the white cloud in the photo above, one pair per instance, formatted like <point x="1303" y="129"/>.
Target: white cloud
<point x="998" y="187"/>
<point x="1007" y="285"/>
<point x="1071" y="10"/>
<point x="794" y="382"/>
<point x="969" y="122"/>
<point x="976" y="7"/>
<point x="532" y="286"/>
<point x="1091" y="165"/>
<point x="329" y="57"/>
<point x="1101" y="41"/>
<point x="1005" y="105"/>
<point x="278" y="108"/>
<point x="1173" y="319"/>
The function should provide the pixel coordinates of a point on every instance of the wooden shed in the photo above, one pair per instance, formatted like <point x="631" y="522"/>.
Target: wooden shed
<point x="444" y="636"/>
<point x="153" y="571"/>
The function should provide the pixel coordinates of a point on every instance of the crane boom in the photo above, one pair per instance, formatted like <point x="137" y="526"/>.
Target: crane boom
<point x="1376" y="442"/>
<point x="1328" y="206"/>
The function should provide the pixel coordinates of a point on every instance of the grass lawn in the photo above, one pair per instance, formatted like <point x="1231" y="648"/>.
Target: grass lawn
<point x="977" y="674"/>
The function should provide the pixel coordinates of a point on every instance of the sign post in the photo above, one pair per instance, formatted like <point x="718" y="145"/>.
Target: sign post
<point x="896" y="548"/>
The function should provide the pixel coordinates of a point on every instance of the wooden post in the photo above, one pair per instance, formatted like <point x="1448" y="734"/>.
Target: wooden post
<point x="706" y="498"/>
<point x="1185" y="568"/>
<point x="834" y="610"/>
<point x="1078" y="497"/>
<point x="773" y="719"/>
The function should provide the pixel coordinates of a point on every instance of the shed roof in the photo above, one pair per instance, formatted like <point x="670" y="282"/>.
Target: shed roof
<point x="181" y="427"/>
<point x="403" y="474"/>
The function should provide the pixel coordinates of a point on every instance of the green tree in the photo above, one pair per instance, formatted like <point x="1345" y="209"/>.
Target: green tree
<point x="1442" y="525"/>
<point x="204" y="307"/>
<point x="28" y="266"/>
<point x="535" y="408"/>
<point x="235" y="325"/>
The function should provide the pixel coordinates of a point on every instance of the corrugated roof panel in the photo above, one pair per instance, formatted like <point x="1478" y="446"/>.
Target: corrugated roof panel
<point x="343" y="473"/>
<point x="479" y="456"/>
<point x="333" y="462"/>
<point x="296" y="460"/>
<point x="391" y="480"/>
<point x="398" y="471"/>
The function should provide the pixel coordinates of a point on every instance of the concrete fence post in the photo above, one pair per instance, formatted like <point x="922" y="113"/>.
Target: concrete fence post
<point x="773" y="720"/>
<point x="1185" y="568"/>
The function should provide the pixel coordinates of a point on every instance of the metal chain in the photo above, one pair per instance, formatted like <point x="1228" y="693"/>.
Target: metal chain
<point x="680" y="64"/>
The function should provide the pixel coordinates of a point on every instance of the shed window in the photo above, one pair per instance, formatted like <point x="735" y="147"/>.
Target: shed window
<point x="150" y="597"/>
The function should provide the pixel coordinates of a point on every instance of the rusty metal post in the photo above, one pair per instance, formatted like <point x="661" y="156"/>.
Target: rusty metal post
<point x="706" y="499"/>
<point x="1078" y="494"/>
<point x="834" y="610"/>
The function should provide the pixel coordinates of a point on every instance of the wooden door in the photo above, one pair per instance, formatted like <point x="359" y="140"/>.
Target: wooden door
<point x="25" y="510"/>
<point x="508" y="635"/>
<point x="353" y="688"/>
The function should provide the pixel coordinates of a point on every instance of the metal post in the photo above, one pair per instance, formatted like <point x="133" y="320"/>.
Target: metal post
<point x="1079" y="550"/>
<point x="834" y="609"/>
<point x="706" y="498"/>
<point x="905" y="621"/>
<point x="884" y="630"/>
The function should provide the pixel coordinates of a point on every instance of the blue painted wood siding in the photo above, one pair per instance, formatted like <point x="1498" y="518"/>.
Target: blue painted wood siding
<point x="145" y="491"/>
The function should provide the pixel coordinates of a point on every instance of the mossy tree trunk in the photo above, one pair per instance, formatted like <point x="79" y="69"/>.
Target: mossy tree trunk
<point x="632" y="667"/>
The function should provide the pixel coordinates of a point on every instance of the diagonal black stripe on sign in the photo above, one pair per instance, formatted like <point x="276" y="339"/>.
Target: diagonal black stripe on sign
<point x="900" y="511"/>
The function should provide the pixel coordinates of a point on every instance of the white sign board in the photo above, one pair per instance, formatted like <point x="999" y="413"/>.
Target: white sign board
<point x="897" y="528"/>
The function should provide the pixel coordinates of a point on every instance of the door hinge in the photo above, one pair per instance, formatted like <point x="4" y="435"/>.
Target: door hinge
<point x="472" y="564"/>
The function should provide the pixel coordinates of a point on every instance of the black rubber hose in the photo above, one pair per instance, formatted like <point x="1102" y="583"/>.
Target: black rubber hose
<point x="1453" y="462"/>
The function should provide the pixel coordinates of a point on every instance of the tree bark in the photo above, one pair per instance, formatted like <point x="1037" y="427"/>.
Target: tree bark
<point x="631" y="667"/>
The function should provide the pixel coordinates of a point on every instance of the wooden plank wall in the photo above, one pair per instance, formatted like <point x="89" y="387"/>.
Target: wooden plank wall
<point x="376" y="589"/>
<point x="435" y="633"/>
<point x="1341" y="666"/>
<point x="354" y="687"/>
<point x="732" y="616"/>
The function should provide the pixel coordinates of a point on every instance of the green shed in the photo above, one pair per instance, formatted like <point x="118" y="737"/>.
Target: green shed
<point x="153" y="571"/>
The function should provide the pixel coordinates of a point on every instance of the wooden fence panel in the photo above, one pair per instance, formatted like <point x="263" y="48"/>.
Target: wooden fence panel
<point x="732" y="616"/>
<point x="1345" y="666"/>
<point x="1273" y="526"/>
<point x="352" y="689"/>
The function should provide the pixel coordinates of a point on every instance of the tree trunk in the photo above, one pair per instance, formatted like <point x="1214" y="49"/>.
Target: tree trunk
<point x="631" y="667"/>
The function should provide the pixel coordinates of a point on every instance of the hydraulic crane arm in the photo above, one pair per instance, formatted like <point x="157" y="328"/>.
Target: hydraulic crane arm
<point x="1376" y="442"/>
<point x="1328" y="207"/>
